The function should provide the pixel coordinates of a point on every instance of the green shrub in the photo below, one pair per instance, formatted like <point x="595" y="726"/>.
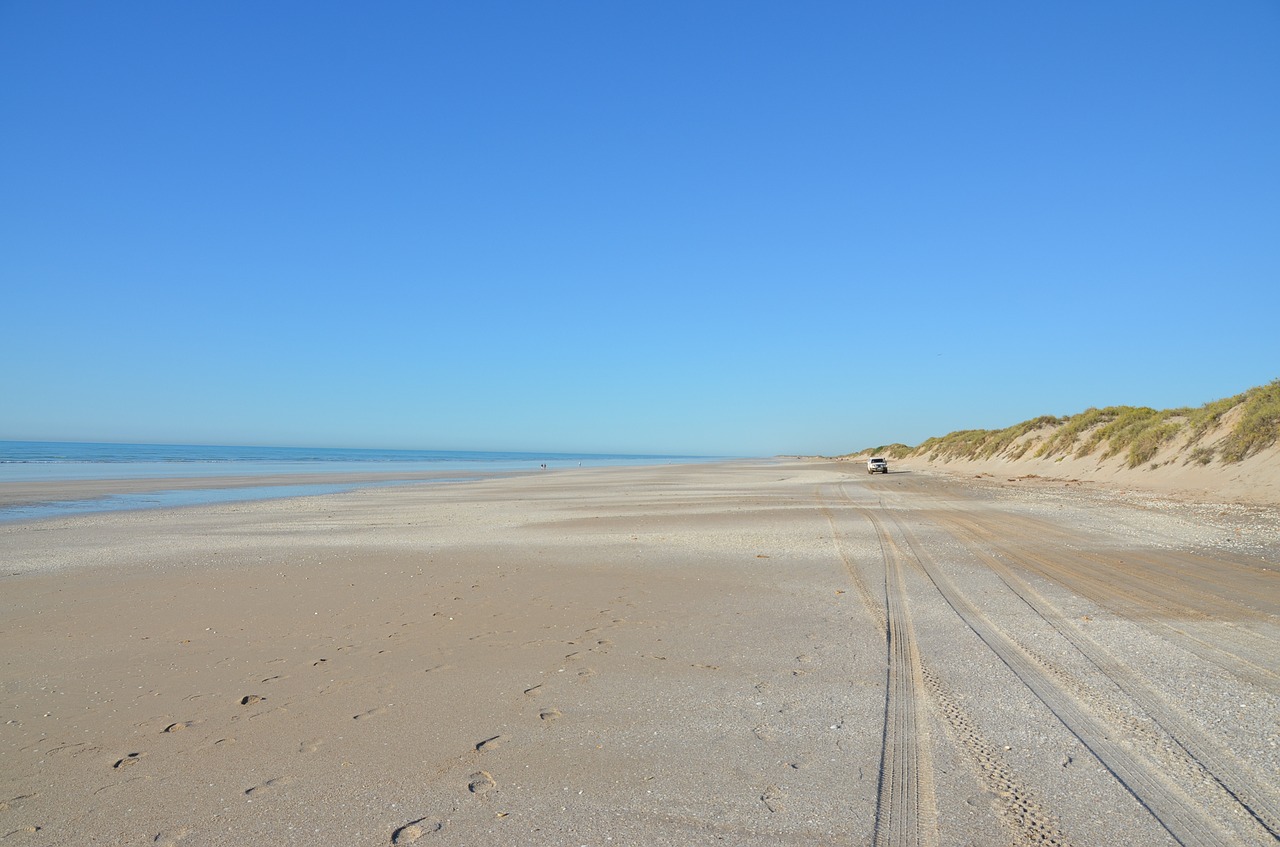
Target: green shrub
<point x="1258" y="426"/>
<point x="1207" y="416"/>
<point x="1149" y="441"/>
<point x="1201" y="456"/>
<point x="1073" y="427"/>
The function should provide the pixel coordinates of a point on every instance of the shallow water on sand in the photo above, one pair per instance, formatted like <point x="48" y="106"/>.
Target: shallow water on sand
<point x="50" y="461"/>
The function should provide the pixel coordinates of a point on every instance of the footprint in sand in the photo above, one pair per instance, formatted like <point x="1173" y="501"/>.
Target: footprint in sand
<point x="171" y="837"/>
<point x="414" y="830"/>
<point x="311" y="746"/>
<point x="585" y="674"/>
<point x="380" y="710"/>
<point x="250" y="699"/>
<point x="131" y="759"/>
<point x="772" y="799"/>
<point x="72" y="749"/>
<point x="532" y="692"/>
<point x="267" y="786"/>
<point x="29" y="829"/>
<point x="481" y="782"/>
<point x="15" y="802"/>
<point x="181" y="725"/>
<point x="489" y="744"/>
<point x="549" y="715"/>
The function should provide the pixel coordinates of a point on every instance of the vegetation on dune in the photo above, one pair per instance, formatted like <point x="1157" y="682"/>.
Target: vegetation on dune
<point x="1258" y="426"/>
<point x="1140" y="431"/>
<point x="1064" y="440"/>
<point x="1136" y="432"/>
<point x="985" y="443"/>
<point x="891" y="451"/>
<point x="1210" y="415"/>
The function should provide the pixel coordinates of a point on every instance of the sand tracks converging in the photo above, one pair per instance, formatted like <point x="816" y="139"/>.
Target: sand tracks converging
<point x="904" y="804"/>
<point x="1164" y="773"/>
<point x="1200" y="750"/>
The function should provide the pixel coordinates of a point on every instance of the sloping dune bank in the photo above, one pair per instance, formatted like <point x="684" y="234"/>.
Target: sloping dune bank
<point x="742" y="653"/>
<point x="1227" y="450"/>
<point x="1253" y="481"/>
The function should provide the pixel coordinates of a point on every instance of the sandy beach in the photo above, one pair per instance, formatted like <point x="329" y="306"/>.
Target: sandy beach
<point x="772" y="652"/>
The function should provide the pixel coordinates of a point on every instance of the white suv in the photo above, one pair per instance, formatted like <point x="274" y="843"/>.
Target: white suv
<point x="877" y="466"/>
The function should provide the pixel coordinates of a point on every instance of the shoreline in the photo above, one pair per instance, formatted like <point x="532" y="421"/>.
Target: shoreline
<point x="37" y="492"/>
<point x="22" y="493"/>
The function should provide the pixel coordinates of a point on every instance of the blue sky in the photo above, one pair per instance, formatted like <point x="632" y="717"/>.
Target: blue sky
<point x="717" y="227"/>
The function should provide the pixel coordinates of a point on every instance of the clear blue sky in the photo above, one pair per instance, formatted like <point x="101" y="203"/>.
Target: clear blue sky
<point x="712" y="227"/>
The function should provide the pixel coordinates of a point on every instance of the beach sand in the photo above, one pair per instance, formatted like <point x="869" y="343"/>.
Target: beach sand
<point x="753" y="653"/>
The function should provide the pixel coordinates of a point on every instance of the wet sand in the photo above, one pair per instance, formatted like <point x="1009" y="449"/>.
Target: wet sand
<point x="741" y="653"/>
<point x="31" y="493"/>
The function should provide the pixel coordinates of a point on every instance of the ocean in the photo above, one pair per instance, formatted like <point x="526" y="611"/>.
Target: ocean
<point x="57" y="461"/>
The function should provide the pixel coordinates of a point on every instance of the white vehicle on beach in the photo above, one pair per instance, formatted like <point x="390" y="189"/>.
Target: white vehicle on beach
<point x="877" y="465"/>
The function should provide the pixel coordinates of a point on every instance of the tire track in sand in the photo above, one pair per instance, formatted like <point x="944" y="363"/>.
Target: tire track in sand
<point x="1145" y="590"/>
<point x="1018" y="808"/>
<point x="1250" y="792"/>
<point x="906" y="812"/>
<point x="1170" y="807"/>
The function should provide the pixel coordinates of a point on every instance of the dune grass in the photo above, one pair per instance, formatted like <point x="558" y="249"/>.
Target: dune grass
<point x="985" y="443"/>
<point x="1136" y="432"/>
<point x="1258" y="426"/>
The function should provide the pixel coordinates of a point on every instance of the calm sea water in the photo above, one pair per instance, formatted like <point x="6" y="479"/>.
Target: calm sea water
<point x="55" y="461"/>
<point x="32" y="461"/>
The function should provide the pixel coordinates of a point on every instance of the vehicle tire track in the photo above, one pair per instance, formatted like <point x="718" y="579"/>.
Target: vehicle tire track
<point x="874" y="608"/>
<point x="1169" y="596"/>
<point x="906" y="814"/>
<point x="1017" y="807"/>
<point x="1099" y="579"/>
<point x="1170" y="807"/>
<point x="904" y="794"/>
<point x="1205" y="753"/>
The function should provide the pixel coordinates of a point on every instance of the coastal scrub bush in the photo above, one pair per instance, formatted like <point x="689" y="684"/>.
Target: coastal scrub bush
<point x="1258" y="426"/>
<point x="1137" y="432"/>
<point x="1201" y="456"/>
<point x="1002" y="439"/>
<point x="897" y="450"/>
<point x="1134" y="426"/>
<point x="983" y="443"/>
<point x="1073" y="426"/>
<point x="1207" y="416"/>
<point x="1147" y="442"/>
